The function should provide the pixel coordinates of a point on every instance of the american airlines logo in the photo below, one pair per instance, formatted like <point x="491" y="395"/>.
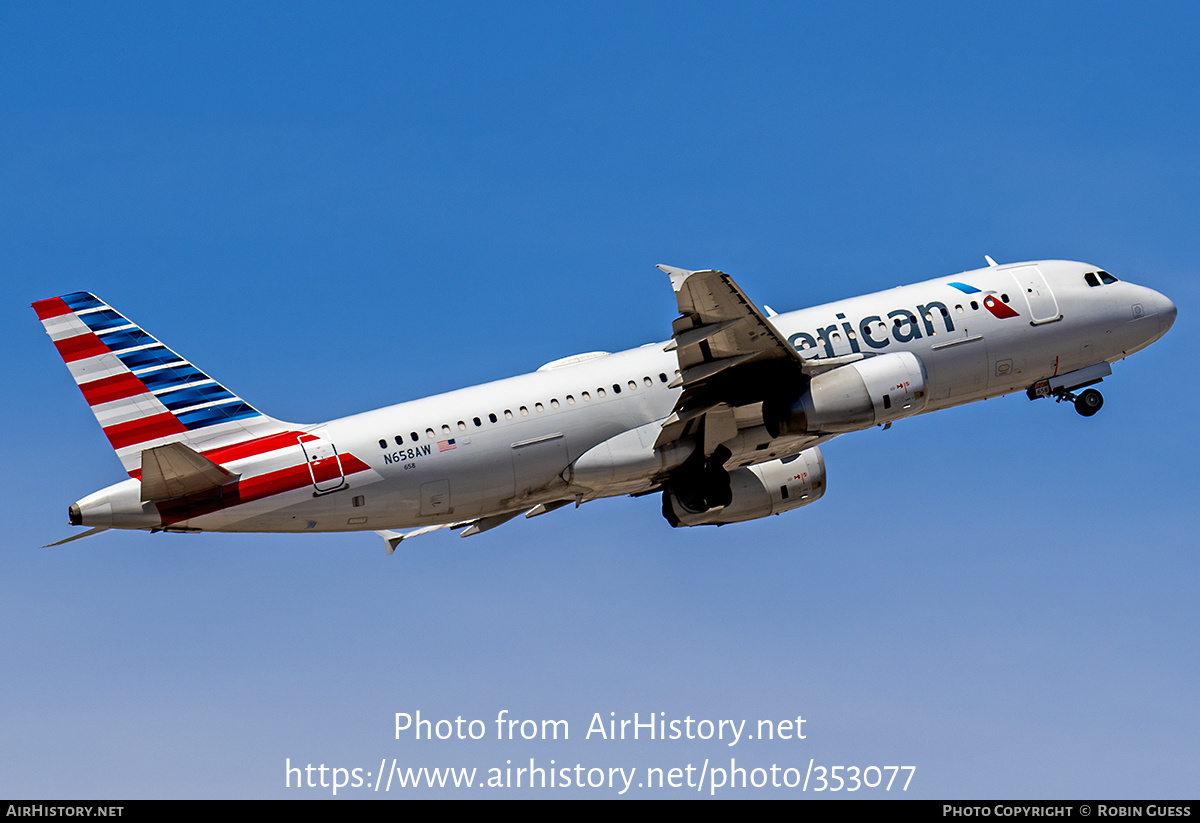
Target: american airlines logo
<point x="998" y="308"/>
<point x="927" y="320"/>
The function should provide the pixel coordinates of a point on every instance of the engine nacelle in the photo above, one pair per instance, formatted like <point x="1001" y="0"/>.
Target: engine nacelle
<point x="757" y="491"/>
<point x="859" y="395"/>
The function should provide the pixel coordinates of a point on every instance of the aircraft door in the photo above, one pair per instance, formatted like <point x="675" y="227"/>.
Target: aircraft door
<point x="1043" y="307"/>
<point x="324" y="462"/>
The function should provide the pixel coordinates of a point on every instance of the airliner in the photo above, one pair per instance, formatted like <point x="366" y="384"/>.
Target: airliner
<point x="724" y="421"/>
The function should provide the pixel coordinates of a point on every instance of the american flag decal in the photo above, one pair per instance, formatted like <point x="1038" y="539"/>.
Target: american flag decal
<point x="445" y="445"/>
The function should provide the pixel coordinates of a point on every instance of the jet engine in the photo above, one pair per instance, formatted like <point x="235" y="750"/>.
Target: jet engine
<point x="754" y="492"/>
<point x="856" y="396"/>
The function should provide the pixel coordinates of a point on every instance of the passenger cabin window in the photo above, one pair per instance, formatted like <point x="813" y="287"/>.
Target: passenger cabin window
<point x="492" y="417"/>
<point x="429" y="433"/>
<point x="383" y="444"/>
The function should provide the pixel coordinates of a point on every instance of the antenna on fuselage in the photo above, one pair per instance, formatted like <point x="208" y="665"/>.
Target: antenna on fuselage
<point x="991" y="262"/>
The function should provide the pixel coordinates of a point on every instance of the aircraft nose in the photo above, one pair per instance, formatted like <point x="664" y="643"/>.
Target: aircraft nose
<point x="1166" y="314"/>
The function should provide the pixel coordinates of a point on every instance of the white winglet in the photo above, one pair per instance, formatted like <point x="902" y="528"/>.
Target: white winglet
<point x="677" y="275"/>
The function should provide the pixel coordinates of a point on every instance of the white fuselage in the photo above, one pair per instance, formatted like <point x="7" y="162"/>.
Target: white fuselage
<point x="504" y="446"/>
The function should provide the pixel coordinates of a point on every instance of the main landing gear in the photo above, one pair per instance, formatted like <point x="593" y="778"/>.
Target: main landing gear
<point x="1087" y="402"/>
<point x="701" y="485"/>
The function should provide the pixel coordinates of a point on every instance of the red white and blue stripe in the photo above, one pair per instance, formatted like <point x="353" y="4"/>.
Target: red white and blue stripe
<point x="142" y="393"/>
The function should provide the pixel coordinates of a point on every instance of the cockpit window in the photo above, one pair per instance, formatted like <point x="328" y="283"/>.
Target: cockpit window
<point x="1090" y="277"/>
<point x="1106" y="278"/>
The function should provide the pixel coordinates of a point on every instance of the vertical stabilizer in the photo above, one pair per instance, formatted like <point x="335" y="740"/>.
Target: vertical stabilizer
<point x="142" y="393"/>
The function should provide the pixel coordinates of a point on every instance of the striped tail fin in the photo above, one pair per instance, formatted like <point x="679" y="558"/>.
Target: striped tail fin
<point x="142" y="393"/>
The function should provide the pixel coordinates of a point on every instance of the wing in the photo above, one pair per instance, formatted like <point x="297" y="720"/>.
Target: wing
<point x="730" y="356"/>
<point x="468" y="527"/>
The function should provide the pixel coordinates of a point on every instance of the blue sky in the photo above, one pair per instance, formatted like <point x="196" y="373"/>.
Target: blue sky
<point x="333" y="208"/>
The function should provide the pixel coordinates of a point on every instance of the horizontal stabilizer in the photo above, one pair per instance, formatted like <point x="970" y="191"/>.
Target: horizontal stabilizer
<point x="174" y="470"/>
<point x="79" y="536"/>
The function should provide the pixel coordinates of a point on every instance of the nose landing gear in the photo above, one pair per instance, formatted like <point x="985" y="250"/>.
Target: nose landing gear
<point x="1062" y="387"/>
<point x="1087" y="402"/>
